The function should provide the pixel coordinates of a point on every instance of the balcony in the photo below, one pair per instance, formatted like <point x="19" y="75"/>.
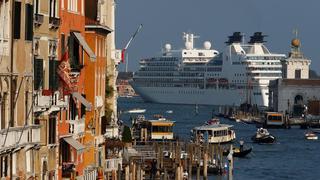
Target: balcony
<point x="18" y="137"/>
<point x="77" y="127"/>
<point x="48" y="101"/>
<point x="113" y="164"/>
<point x="111" y="132"/>
<point x="54" y="22"/>
<point x="38" y="19"/>
<point x="94" y="25"/>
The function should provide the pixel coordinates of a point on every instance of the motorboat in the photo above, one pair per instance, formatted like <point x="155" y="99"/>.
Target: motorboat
<point x="310" y="135"/>
<point x="137" y="111"/>
<point x="263" y="136"/>
<point x="169" y="111"/>
<point x="213" y="121"/>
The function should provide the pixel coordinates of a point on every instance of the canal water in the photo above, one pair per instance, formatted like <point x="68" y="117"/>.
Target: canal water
<point x="292" y="157"/>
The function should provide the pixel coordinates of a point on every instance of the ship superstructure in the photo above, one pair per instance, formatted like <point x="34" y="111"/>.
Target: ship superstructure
<point x="240" y="74"/>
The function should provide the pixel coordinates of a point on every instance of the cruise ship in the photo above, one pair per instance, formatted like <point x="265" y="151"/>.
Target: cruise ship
<point x="240" y="74"/>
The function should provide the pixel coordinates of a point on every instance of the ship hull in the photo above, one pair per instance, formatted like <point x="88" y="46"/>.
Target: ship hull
<point x="177" y="95"/>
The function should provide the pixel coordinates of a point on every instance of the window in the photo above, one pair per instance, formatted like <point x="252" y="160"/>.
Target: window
<point x="17" y="20"/>
<point x="65" y="153"/>
<point x="3" y="111"/>
<point x="52" y="130"/>
<point x="297" y="74"/>
<point x="4" y="165"/>
<point x="53" y="76"/>
<point x="73" y="5"/>
<point x="53" y="9"/>
<point x="38" y="74"/>
<point x="36" y="4"/>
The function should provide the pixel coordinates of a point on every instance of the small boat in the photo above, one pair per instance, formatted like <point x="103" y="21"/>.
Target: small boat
<point x="263" y="136"/>
<point x="213" y="121"/>
<point x="136" y="110"/>
<point x="169" y="111"/>
<point x="311" y="135"/>
<point x="238" y="152"/>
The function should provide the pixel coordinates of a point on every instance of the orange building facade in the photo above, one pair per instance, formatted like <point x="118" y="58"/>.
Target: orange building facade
<point x="74" y="142"/>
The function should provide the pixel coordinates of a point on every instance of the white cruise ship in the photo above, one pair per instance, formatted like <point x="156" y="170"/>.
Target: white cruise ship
<point x="240" y="74"/>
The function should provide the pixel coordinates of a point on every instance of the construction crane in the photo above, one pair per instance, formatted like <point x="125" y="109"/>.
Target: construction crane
<point x="123" y="51"/>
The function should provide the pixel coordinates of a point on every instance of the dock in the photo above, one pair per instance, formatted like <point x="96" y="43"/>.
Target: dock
<point x="173" y="160"/>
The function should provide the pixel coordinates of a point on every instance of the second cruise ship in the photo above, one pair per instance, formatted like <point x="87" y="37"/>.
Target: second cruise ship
<point x="240" y="74"/>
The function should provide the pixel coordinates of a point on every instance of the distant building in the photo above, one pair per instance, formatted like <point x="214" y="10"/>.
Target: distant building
<point x="293" y="93"/>
<point x="124" y="89"/>
<point x="296" y="66"/>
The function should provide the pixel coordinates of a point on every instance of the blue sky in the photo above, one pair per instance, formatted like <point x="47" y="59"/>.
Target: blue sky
<point x="165" y="20"/>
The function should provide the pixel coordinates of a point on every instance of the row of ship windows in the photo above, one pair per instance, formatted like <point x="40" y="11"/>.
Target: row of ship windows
<point x="262" y="63"/>
<point x="158" y="69"/>
<point x="264" y="69"/>
<point x="158" y="63"/>
<point x="161" y="59"/>
<point x="265" y="58"/>
<point x="213" y="75"/>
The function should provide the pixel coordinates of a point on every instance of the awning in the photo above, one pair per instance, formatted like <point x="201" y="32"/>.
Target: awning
<point x="75" y="144"/>
<point x="83" y="101"/>
<point x="85" y="46"/>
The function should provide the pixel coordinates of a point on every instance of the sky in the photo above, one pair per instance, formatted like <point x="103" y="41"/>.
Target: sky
<point x="164" y="21"/>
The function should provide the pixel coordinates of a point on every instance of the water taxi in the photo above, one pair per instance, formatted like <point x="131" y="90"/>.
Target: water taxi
<point x="213" y="133"/>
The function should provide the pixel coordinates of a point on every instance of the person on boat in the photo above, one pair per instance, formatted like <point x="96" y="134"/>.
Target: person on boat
<point x="241" y="142"/>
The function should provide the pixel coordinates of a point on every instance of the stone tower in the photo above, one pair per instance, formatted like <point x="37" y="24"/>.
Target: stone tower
<point x="296" y="66"/>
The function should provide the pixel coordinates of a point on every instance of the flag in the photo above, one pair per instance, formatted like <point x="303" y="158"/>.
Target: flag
<point x="123" y="52"/>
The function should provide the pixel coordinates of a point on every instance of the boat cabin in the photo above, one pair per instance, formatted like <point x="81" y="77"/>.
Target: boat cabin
<point x="149" y="130"/>
<point x="215" y="133"/>
<point x="161" y="129"/>
<point x="274" y="119"/>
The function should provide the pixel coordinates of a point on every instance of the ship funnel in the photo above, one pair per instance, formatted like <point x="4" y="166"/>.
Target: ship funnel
<point x="235" y="38"/>
<point x="257" y="38"/>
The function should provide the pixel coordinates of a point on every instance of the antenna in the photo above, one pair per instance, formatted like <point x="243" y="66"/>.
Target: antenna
<point x="295" y="32"/>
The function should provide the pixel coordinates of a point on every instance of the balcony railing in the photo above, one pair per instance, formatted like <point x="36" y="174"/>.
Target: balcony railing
<point x="38" y="19"/>
<point x="112" y="132"/>
<point x="46" y="100"/>
<point x="54" y="22"/>
<point x="77" y="127"/>
<point x="16" y="137"/>
<point x="113" y="164"/>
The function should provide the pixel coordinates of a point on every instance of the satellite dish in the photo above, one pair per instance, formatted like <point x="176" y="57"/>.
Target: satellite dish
<point x="207" y="45"/>
<point x="167" y="47"/>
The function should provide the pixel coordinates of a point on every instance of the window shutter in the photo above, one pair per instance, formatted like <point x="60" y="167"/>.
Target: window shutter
<point x="17" y="20"/>
<point x="38" y="73"/>
<point x="29" y="22"/>
<point x="53" y="76"/>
